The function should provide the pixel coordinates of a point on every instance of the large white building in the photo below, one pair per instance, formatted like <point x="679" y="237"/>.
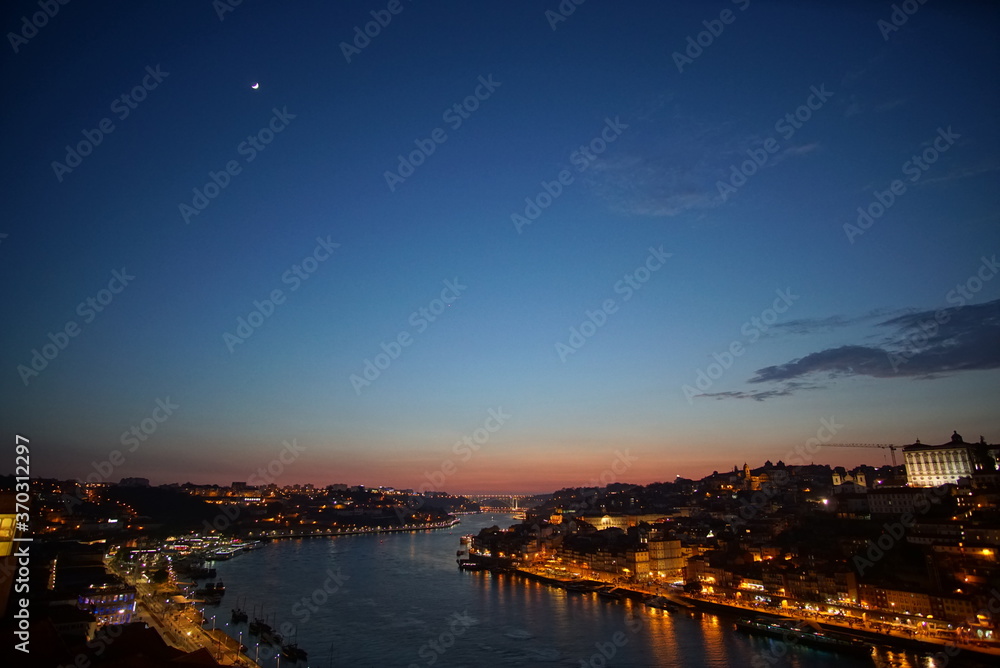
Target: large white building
<point x="935" y="465"/>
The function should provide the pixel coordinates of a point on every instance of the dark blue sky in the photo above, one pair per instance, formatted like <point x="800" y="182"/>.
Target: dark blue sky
<point x="705" y="216"/>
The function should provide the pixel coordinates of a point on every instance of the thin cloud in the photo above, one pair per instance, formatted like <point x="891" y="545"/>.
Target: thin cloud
<point x="683" y="174"/>
<point x="917" y="345"/>
<point x="830" y="323"/>
<point x="763" y="395"/>
<point x="963" y="173"/>
<point x="920" y="346"/>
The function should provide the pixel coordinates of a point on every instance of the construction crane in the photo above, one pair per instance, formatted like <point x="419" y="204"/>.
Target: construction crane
<point x="885" y="446"/>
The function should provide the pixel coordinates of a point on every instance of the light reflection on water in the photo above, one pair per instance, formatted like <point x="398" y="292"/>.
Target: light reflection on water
<point x="402" y="592"/>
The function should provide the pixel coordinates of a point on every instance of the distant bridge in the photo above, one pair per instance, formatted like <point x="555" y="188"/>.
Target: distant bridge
<point x="513" y="499"/>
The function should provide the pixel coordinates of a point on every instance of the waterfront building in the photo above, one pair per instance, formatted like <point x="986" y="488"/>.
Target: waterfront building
<point x="109" y="603"/>
<point x="955" y="609"/>
<point x="666" y="558"/>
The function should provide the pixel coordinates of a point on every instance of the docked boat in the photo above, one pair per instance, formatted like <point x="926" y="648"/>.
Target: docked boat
<point x="271" y="637"/>
<point x="612" y="593"/>
<point x="224" y="553"/>
<point x="212" y="591"/>
<point x="661" y="602"/>
<point x="196" y="571"/>
<point x="805" y="634"/>
<point x="583" y="586"/>
<point x="293" y="652"/>
<point x="239" y="616"/>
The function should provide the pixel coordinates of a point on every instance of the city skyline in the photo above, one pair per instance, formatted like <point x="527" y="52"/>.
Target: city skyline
<point x="523" y="240"/>
<point x="434" y="482"/>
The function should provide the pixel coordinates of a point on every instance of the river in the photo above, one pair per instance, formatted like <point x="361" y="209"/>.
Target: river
<point x="399" y="599"/>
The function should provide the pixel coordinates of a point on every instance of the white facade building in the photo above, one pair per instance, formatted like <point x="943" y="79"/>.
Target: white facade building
<point x="935" y="465"/>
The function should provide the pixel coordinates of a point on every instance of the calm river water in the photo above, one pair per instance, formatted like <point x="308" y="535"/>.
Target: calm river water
<point x="399" y="600"/>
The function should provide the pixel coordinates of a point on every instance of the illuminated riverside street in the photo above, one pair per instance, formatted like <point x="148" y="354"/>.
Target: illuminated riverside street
<point x="185" y="627"/>
<point x="845" y="617"/>
<point x="400" y="600"/>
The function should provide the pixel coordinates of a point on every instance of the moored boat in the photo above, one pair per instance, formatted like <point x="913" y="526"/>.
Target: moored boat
<point x="293" y="652"/>
<point x="805" y="634"/>
<point x="661" y="602"/>
<point x="271" y="637"/>
<point x="212" y="592"/>
<point x="613" y="593"/>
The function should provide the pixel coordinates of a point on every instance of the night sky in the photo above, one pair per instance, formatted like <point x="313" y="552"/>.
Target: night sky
<point x="662" y="237"/>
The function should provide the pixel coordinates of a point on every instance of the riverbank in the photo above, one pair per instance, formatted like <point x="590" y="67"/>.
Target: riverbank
<point x="275" y="534"/>
<point x="889" y="637"/>
<point x="729" y="609"/>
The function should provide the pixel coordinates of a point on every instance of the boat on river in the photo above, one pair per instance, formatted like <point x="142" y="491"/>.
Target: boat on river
<point x="805" y="634"/>
<point x="661" y="602"/>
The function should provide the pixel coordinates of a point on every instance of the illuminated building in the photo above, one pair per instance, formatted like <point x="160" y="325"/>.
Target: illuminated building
<point x="936" y="465"/>
<point x="110" y="603"/>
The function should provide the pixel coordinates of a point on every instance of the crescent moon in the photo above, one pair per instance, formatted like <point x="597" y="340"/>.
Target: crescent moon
<point x="255" y="86"/>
